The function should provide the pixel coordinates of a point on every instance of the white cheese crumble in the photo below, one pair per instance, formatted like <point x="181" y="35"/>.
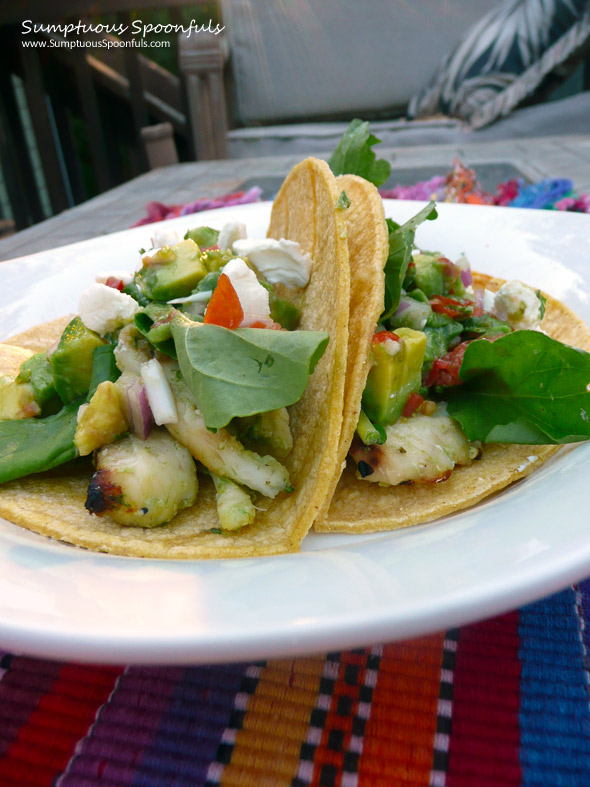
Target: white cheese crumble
<point x="518" y="304"/>
<point x="164" y="238"/>
<point x="253" y="296"/>
<point x="230" y="233"/>
<point x="391" y="347"/>
<point x="158" y="392"/>
<point x="489" y="301"/>
<point x="278" y="260"/>
<point x="124" y="276"/>
<point x="104" y="309"/>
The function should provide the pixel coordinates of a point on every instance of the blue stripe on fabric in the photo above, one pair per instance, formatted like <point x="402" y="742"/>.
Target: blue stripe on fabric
<point x="191" y="729"/>
<point x="554" y="704"/>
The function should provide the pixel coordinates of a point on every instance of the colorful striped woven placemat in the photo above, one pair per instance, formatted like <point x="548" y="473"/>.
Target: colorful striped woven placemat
<point x="503" y="702"/>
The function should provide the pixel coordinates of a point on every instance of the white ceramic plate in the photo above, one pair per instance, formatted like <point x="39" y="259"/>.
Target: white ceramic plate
<point x="340" y="591"/>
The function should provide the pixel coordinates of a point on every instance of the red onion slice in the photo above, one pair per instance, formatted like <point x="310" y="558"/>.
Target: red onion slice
<point x="138" y="410"/>
<point x="466" y="277"/>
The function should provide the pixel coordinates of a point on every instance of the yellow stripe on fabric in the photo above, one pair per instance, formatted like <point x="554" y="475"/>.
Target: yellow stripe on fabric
<point x="266" y="749"/>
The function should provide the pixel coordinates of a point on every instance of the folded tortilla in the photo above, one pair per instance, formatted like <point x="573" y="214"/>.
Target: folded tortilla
<point x="361" y="507"/>
<point x="52" y="503"/>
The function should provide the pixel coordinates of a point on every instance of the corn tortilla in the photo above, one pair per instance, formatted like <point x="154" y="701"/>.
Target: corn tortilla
<point x="361" y="507"/>
<point x="52" y="503"/>
<point x="368" y="248"/>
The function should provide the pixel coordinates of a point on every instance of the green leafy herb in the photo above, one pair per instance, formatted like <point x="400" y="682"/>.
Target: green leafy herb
<point x="401" y="243"/>
<point x="155" y="323"/>
<point x="485" y="325"/>
<point x="543" y="300"/>
<point x="204" y="237"/>
<point x="246" y="371"/>
<point x="38" y="371"/>
<point x="142" y="251"/>
<point x="133" y="290"/>
<point x="343" y="202"/>
<point x="209" y="283"/>
<point x="103" y="367"/>
<point x="523" y="388"/>
<point x="440" y="331"/>
<point x="32" y="445"/>
<point x="353" y="155"/>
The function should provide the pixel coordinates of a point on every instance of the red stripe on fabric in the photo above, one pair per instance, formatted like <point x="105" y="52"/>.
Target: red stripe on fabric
<point x="485" y="734"/>
<point x="399" y="735"/>
<point x="45" y="743"/>
<point x="338" y="728"/>
<point x="20" y="694"/>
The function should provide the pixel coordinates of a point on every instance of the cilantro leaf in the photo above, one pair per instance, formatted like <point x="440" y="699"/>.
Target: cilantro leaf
<point x="401" y="243"/>
<point x="353" y="155"/>
<point x="523" y="388"/>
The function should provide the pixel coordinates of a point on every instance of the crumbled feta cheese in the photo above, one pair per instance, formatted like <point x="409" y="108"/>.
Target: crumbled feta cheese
<point x="517" y="304"/>
<point x="277" y="260"/>
<point x="230" y="233"/>
<point x="489" y="301"/>
<point x="253" y="296"/>
<point x="164" y="238"/>
<point x="391" y="347"/>
<point x="159" y="394"/>
<point x="124" y="276"/>
<point x="104" y="309"/>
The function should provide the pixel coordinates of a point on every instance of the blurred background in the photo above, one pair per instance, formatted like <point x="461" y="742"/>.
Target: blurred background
<point x="79" y="117"/>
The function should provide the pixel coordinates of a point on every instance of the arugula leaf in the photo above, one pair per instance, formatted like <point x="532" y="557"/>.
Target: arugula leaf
<point x="401" y="243"/>
<point x="353" y="155"/>
<point x="32" y="445"/>
<point x="523" y="388"/>
<point x="154" y="322"/>
<point x="245" y="371"/>
<point x="103" y="367"/>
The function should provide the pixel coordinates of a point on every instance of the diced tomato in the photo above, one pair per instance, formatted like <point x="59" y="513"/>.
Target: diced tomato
<point x="209" y="248"/>
<point x="270" y="325"/>
<point x="115" y="283"/>
<point x="453" y="308"/>
<point x="383" y="336"/>
<point x="445" y="370"/>
<point x="413" y="403"/>
<point x="224" y="307"/>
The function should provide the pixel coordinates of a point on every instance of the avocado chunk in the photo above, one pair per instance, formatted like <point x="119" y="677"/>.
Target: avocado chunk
<point x="37" y="371"/>
<point x="172" y="272"/>
<point x="267" y="432"/>
<point x="394" y="375"/>
<point x="429" y="276"/>
<point x="72" y="360"/>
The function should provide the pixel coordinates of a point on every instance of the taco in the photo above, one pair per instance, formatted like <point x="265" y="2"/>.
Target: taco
<point x="196" y="317"/>
<point x="418" y="445"/>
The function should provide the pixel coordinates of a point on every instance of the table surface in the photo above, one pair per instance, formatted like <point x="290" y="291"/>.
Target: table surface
<point x="564" y="157"/>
